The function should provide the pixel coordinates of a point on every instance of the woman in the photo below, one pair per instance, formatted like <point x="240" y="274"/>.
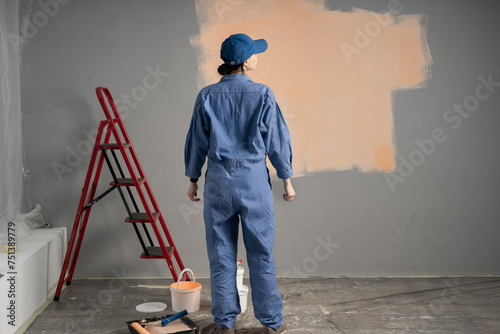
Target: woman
<point x="236" y="123"/>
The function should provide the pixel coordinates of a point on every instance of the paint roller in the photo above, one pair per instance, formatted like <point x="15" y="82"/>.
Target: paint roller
<point x="139" y="328"/>
<point x="163" y="322"/>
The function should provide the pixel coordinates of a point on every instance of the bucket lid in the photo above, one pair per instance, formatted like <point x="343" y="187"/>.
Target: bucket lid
<point x="151" y="307"/>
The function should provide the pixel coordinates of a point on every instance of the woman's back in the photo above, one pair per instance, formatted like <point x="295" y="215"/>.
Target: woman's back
<point x="233" y="111"/>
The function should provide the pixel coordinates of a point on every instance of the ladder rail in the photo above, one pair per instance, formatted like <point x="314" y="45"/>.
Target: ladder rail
<point x="90" y="198"/>
<point x="77" y="221"/>
<point x="175" y="252"/>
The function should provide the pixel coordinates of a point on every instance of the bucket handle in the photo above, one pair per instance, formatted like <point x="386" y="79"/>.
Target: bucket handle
<point x="180" y="276"/>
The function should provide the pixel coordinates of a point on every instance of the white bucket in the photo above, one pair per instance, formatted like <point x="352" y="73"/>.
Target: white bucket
<point x="185" y="295"/>
<point x="243" y="292"/>
<point x="239" y="277"/>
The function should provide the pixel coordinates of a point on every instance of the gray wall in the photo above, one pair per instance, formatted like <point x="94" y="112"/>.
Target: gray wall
<point x="442" y="220"/>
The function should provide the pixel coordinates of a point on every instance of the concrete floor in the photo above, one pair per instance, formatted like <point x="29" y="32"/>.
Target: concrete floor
<point x="312" y="305"/>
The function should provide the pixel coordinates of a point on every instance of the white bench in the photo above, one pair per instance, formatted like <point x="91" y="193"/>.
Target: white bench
<point x="38" y="264"/>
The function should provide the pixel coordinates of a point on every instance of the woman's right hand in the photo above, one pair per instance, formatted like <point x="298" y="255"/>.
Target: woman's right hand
<point x="289" y="194"/>
<point x="193" y="192"/>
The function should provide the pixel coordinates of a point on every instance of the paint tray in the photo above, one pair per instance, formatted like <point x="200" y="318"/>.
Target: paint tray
<point x="191" y="327"/>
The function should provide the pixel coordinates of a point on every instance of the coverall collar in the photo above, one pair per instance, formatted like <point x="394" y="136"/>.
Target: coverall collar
<point x="235" y="77"/>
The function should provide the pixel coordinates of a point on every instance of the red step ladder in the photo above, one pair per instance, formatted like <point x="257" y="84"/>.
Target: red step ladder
<point x="149" y="214"/>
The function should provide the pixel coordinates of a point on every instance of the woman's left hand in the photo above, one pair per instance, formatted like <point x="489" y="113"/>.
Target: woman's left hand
<point x="289" y="194"/>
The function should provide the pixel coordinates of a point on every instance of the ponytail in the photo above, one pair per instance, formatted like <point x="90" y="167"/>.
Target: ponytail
<point x="226" y="69"/>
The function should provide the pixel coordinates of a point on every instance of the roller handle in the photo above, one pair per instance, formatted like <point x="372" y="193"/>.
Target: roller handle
<point x="174" y="317"/>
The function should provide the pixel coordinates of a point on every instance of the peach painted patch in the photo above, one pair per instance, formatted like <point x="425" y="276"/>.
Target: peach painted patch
<point x="333" y="73"/>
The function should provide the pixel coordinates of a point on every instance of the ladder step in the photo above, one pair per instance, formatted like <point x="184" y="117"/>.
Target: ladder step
<point x="127" y="181"/>
<point x="114" y="146"/>
<point x="142" y="217"/>
<point x="156" y="252"/>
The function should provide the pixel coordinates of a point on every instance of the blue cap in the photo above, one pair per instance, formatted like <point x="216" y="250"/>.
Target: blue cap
<point x="239" y="47"/>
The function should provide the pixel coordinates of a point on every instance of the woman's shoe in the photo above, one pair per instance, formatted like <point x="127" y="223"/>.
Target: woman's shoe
<point x="280" y="330"/>
<point x="226" y="330"/>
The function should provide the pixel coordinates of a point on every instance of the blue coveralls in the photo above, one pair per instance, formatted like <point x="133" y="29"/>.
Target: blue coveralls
<point x="235" y="123"/>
